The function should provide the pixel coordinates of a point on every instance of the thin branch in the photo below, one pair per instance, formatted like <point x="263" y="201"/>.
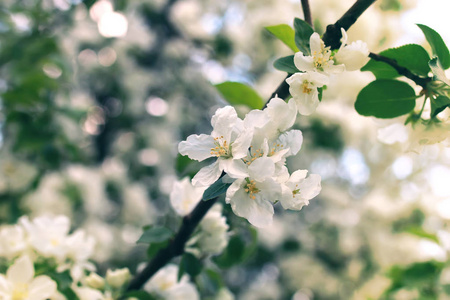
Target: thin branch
<point x="332" y="36"/>
<point x="175" y="247"/>
<point x="307" y="12"/>
<point x="422" y="81"/>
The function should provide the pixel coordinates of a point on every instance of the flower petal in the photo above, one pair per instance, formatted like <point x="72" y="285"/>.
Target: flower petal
<point x="261" y="168"/>
<point x="207" y="175"/>
<point x="197" y="147"/>
<point x="42" y="287"/>
<point x="303" y="63"/>
<point x="22" y="271"/>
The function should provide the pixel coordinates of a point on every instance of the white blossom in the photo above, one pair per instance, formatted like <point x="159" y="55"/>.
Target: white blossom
<point x="321" y="59"/>
<point x="20" y="283"/>
<point x="166" y="285"/>
<point x="228" y="142"/>
<point x="12" y="241"/>
<point x="353" y="56"/>
<point x="299" y="189"/>
<point x="117" y="278"/>
<point x="213" y="236"/>
<point x="304" y="90"/>
<point x="184" y="196"/>
<point x="253" y="200"/>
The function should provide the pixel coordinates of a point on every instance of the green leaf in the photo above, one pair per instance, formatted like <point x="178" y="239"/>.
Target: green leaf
<point x="189" y="264"/>
<point x="385" y="98"/>
<point x="155" y="234"/>
<point x="153" y="248"/>
<point x="438" y="71"/>
<point x="413" y="57"/>
<point x="233" y="254"/>
<point x="284" y="33"/>
<point x="216" y="189"/>
<point x="418" y="231"/>
<point x="418" y="275"/>
<point x="237" y="93"/>
<point x="439" y="104"/>
<point x="286" y="64"/>
<point x="302" y="34"/>
<point x="437" y="45"/>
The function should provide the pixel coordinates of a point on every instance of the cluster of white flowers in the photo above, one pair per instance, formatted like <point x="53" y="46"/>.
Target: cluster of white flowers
<point x="46" y="237"/>
<point x="47" y="242"/>
<point x="253" y="153"/>
<point x="212" y="236"/>
<point x="317" y="68"/>
<point x="165" y="285"/>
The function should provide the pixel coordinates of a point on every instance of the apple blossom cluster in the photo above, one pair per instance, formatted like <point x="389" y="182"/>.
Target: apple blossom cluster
<point x="316" y="69"/>
<point x="45" y="246"/>
<point x="252" y="152"/>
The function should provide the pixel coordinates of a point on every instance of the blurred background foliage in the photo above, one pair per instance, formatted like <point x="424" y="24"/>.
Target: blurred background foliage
<point x="95" y="95"/>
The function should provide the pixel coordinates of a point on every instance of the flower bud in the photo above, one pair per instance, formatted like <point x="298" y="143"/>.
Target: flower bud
<point x="95" y="281"/>
<point x="117" y="278"/>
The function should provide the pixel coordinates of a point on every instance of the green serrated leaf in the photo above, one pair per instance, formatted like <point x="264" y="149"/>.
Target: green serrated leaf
<point x="438" y="104"/>
<point x="216" y="189"/>
<point x="284" y="33"/>
<point x="437" y="45"/>
<point x="438" y="71"/>
<point x="385" y="98"/>
<point x="286" y="64"/>
<point x="413" y="57"/>
<point x="303" y="32"/>
<point x="155" y="234"/>
<point x="237" y="93"/>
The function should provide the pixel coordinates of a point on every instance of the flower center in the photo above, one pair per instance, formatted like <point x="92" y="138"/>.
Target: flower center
<point x="20" y="291"/>
<point x="222" y="148"/>
<point x="306" y="87"/>
<point x="322" y="57"/>
<point x="296" y="191"/>
<point x="251" y="189"/>
<point x="275" y="148"/>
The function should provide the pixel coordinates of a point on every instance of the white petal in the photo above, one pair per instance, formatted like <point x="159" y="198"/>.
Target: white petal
<point x="308" y="104"/>
<point x="318" y="79"/>
<point x="207" y="175"/>
<point x="315" y="43"/>
<point x="184" y="196"/>
<point x="261" y="168"/>
<point x="310" y="186"/>
<point x="257" y="211"/>
<point x="303" y="63"/>
<point x="235" y="168"/>
<point x="241" y="144"/>
<point x="293" y="140"/>
<point x="282" y="114"/>
<point x="256" y="119"/>
<point x="42" y="287"/>
<point x="298" y="176"/>
<point x="197" y="147"/>
<point x="22" y="271"/>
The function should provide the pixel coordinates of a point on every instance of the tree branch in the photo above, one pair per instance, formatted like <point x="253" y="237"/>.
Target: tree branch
<point x="307" y="12"/>
<point x="176" y="245"/>
<point x="332" y="36"/>
<point x="422" y="81"/>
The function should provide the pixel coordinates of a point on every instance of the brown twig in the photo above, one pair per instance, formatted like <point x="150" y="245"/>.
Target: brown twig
<point x="175" y="246"/>
<point x="332" y="36"/>
<point x="307" y="12"/>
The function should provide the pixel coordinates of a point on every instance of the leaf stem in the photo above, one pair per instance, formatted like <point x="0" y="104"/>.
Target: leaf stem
<point x="307" y="12"/>
<point x="422" y="81"/>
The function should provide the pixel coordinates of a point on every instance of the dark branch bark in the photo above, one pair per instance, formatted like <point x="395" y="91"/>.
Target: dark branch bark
<point x="175" y="247"/>
<point x="332" y="36"/>
<point x="422" y="81"/>
<point x="307" y="12"/>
